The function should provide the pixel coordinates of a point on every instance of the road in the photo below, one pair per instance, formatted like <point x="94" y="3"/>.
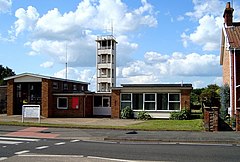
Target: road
<point x="33" y="149"/>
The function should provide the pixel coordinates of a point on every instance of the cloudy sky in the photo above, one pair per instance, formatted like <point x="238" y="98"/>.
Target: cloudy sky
<point x="158" y="41"/>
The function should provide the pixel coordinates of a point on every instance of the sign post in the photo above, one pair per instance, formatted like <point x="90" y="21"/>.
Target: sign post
<point x="31" y="111"/>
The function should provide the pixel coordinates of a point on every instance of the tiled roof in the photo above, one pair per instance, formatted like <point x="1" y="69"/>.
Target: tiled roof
<point x="233" y="36"/>
<point x="45" y="77"/>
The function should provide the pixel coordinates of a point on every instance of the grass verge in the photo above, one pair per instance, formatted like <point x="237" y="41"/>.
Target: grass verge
<point x="170" y="125"/>
<point x="154" y="125"/>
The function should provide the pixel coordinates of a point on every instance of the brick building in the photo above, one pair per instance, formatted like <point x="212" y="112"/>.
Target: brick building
<point x="159" y="100"/>
<point x="68" y="98"/>
<point x="3" y="99"/>
<point x="230" y="57"/>
<point x="57" y="97"/>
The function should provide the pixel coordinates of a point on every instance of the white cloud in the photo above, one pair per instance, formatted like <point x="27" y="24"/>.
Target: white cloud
<point x="51" y="32"/>
<point x="75" y="74"/>
<point x="26" y="19"/>
<point x="155" y="57"/>
<point x="207" y="34"/>
<point x="174" y="67"/>
<point x="47" y="64"/>
<point x="5" y="6"/>
<point x="206" y="7"/>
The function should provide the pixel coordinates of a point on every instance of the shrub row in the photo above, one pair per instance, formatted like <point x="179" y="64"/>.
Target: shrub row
<point x="127" y="113"/>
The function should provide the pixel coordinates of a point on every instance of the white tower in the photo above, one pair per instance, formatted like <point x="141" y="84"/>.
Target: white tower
<point x="106" y="63"/>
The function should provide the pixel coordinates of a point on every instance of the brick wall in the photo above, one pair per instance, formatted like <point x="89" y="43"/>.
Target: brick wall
<point x="3" y="99"/>
<point x="211" y="121"/>
<point x="225" y="68"/>
<point x="185" y="99"/>
<point x="88" y="106"/>
<point x="84" y="101"/>
<point x="47" y="100"/>
<point x="115" y="104"/>
<point x="10" y="97"/>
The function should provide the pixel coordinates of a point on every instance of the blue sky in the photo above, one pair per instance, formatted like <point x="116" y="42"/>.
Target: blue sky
<point x="158" y="41"/>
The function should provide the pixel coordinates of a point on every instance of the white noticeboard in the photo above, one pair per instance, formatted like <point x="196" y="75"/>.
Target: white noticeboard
<point x="31" y="111"/>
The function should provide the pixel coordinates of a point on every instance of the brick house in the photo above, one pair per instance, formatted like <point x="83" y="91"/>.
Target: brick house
<point x="57" y="97"/>
<point x="3" y="98"/>
<point x="159" y="100"/>
<point x="230" y="57"/>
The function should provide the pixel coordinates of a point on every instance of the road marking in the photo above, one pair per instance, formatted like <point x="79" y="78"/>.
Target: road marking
<point x="41" y="147"/>
<point x="39" y="155"/>
<point x="108" y="142"/>
<point x="9" y="142"/>
<point x="109" y="159"/>
<point x="205" y="144"/>
<point x="60" y="143"/>
<point x="72" y="141"/>
<point x="19" y="139"/>
<point x="3" y="158"/>
<point x="21" y="152"/>
<point x="4" y="146"/>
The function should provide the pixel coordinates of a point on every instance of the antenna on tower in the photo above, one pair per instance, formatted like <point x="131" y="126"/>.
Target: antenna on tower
<point x="112" y="27"/>
<point x="66" y="62"/>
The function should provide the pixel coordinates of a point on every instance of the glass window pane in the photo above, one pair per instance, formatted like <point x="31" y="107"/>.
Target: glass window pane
<point x="126" y="97"/>
<point x="149" y="106"/>
<point x="162" y="101"/>
<point x="137" y="101"/>
<point x="174" y="105"/>
<point x="62" y="103"/>
<point x="97" y="101"/>
<point x="106" y="102"/>
<point x="125" y="104"/>
<point x="174" y="97"/>
<point x="149" y="97"/>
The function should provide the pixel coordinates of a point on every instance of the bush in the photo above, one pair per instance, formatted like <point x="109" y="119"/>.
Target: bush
<point x="180" y="115"/>
<point x="126" y="113"/>
<point x="143" y="115"/>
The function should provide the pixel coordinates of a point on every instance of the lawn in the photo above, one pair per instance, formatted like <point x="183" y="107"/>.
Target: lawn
<point x="170" y="125"/>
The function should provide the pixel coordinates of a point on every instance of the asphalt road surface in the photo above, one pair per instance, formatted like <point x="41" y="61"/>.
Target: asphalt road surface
<point x="32" y="149"/>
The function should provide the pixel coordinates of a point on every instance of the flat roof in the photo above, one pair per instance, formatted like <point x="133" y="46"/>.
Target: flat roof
<point x="157" y="85"/>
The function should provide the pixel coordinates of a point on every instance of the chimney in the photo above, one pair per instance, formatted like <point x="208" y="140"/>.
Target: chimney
<point x="228" y="15"/>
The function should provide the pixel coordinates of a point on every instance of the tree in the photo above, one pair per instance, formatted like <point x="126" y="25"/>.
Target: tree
<point x="210" y="95"/>
<point x="195" y="98"/>
<point x="225" y="100"/>
<point x="5" y="72"/>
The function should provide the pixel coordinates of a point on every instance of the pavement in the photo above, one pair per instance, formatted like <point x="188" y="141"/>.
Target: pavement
<point x="113" y="135"/>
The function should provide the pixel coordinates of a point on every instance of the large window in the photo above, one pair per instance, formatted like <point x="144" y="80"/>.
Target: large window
<point x="102" y="101"/>
<point x="62" y="103"/>
<point x="137" y="101"/>
<point x="149" y="102"/>
<point x="126" y="100"/>
<point x="162" y="101"/>
<point x="174" y="101"/>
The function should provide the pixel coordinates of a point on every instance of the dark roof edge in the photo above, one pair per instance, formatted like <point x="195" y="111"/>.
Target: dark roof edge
<point x="156" y="85"/>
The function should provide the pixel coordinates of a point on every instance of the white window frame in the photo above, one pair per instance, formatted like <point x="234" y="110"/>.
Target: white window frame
<point x="126" y="101"/>
<point x="58" y="103"/>
<point x="144" y="100"/>
<point x="174" y="101"/>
